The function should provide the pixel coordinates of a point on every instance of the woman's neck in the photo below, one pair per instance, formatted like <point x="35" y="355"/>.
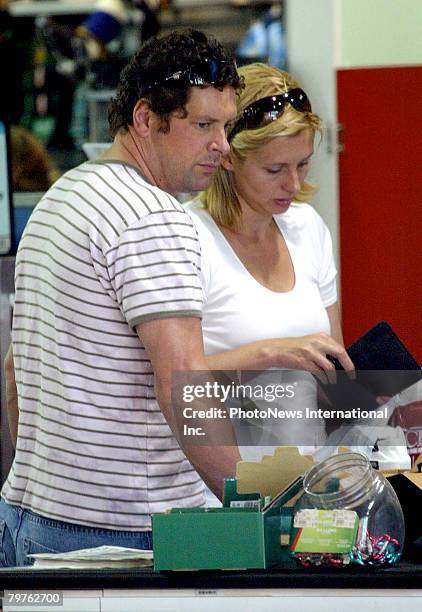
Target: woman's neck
<point x="252" y="225"/>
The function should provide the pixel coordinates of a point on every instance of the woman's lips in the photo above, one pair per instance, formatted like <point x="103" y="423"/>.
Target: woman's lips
<point x="283" y="201"/>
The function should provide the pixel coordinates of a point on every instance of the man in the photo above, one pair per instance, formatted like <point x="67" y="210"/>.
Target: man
<point x="108" y="304"/>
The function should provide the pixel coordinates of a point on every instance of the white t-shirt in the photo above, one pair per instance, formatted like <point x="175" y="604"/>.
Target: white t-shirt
<point x="239" y="310"/>
<point x="103" y="251"/>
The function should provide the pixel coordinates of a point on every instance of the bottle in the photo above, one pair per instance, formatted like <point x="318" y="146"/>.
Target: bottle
<point x="348" y="513"/>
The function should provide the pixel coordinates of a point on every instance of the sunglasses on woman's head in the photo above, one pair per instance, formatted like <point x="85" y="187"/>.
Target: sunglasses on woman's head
<point x="264" y="111"/>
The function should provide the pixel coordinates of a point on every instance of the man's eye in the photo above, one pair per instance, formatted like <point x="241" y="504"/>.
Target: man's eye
<point x="203" y="124"/>
<point x="273" y="170"/>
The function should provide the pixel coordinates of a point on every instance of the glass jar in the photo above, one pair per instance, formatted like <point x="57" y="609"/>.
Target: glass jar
<point x="348" y="513"/>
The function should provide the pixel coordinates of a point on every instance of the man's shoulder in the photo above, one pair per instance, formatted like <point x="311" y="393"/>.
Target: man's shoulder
<point x="115" y="183"/>
<point x="128" y="179"/>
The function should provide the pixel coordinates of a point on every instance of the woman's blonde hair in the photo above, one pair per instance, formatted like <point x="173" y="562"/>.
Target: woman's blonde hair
<point x="261" y="81"/>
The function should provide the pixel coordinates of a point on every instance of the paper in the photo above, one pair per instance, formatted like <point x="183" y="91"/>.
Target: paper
<point x="98" y="557"/>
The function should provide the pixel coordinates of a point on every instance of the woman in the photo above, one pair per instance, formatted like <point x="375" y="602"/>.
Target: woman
<point x="269" y="277"/>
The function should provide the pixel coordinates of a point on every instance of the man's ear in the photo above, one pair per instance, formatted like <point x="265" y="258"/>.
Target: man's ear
<point x="142" y="117"/>
<point x="226" y="162"/>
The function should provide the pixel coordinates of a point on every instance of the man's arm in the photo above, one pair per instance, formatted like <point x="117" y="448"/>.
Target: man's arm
<point x="176" y="344"/>
<point x="11" y="396"/>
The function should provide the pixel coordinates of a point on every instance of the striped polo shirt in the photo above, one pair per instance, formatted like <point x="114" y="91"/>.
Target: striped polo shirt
<point x="103" y="251"/>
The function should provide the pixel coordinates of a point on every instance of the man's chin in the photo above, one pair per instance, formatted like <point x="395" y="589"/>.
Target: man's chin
<point x="200" y="184"/>
<point x="198" y="181"/>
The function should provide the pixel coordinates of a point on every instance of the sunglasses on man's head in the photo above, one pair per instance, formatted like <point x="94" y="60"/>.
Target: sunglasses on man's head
<point x="264" y="111"/>
<point x="206" y="72"/>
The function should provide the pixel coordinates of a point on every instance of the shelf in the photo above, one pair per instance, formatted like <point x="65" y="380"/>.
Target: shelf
<point x="37" y="8"/>
<point x="30" y="8"/>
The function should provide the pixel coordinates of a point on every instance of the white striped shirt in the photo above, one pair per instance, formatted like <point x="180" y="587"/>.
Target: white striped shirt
<point x="103" y="251"/>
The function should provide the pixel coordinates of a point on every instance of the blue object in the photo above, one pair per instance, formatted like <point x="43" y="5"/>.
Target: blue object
<point x="103" y="26"/>
<point x="24" y="530"/>
<point x="21" y="215"/>
<point x="265" y="40"/>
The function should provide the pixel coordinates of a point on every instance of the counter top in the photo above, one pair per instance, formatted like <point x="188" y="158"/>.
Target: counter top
<point x="402" y="576"/>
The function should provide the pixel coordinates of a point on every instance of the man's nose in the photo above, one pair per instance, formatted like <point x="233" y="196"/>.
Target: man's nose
<point x="219" y="142"/>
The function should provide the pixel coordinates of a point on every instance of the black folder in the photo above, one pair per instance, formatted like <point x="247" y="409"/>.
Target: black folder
<point x="381" y="349"/>
<point x="384" y="367"/>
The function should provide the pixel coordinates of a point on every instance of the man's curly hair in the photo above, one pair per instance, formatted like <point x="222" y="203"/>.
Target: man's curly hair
<point x="158" y="58"/>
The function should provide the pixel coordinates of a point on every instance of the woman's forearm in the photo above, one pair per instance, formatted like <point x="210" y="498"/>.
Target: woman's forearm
<point x="297" y="353"/>
<point x="256" y="355"/>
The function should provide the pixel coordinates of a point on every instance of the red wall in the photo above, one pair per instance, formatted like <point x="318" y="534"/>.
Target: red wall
<point x="381" y="201"/>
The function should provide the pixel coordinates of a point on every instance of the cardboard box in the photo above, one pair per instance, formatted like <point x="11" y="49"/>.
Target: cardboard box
<point x="208" y="538"/>
<point x="247" y="533"/>
<point x="250" y="532"/>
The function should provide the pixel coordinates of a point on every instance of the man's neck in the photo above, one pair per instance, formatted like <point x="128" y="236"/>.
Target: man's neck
<point x="126" y="149"/>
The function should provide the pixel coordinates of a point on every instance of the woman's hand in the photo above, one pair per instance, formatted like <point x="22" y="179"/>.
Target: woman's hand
<point x="311" y="353"/>
<point x="307" y="353"/>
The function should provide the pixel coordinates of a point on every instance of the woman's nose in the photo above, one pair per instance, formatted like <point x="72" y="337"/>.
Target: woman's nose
<point x="292" y="182"/>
